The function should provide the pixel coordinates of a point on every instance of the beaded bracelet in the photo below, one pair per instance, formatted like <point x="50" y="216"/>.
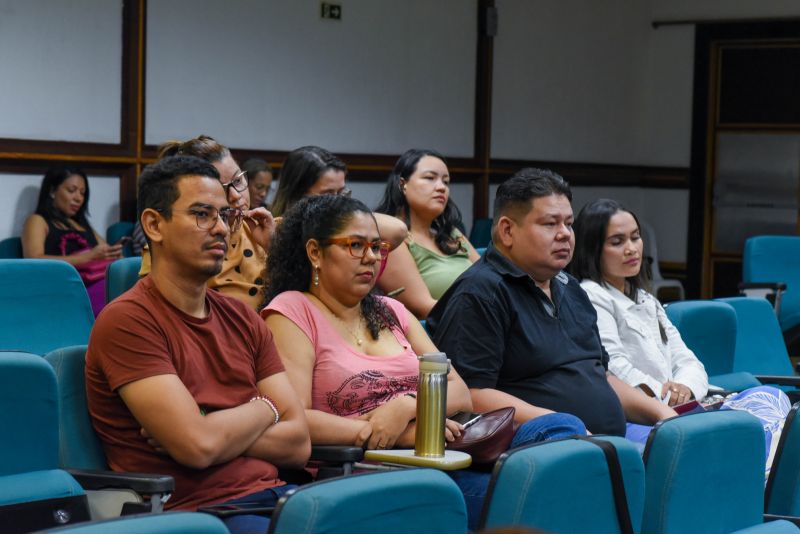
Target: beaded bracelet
<point x="269" y="402"/>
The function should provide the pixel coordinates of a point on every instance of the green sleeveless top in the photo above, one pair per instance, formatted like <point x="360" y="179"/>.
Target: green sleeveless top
<point x="438" y="271"/>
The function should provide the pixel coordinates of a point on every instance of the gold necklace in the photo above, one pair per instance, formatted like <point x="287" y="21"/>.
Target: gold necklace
<point x="359" y="341"/>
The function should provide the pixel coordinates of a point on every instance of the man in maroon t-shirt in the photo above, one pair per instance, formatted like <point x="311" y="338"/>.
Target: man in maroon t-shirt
<point x="184" y="381"/>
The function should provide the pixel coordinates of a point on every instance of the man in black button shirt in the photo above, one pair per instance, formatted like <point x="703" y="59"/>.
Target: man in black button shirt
<point x="521" y="332"/>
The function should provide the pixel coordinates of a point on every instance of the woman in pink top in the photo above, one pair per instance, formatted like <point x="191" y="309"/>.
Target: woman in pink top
<point x="351" y="355"/>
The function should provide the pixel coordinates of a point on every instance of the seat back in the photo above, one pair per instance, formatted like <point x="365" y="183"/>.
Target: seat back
<point x="563" y="486"/>
<point x="34" y="493"/>
<point x="704" y="473"/>
<point x="760" y="349"/>
<point x="80" y="448"/>
<point x="776" y="258"/>
<point x="28" y="414"/>
<point x="47" y="306"/>
<point x="407" y="500"/>
<point x="121" y="276"/>
<point x="166" y="523"/>
<point x="481" y="233"/>
<point x="11" y="248"/>
<point x="782" y="494"/>
<point x="709" y="329"/>
<point x="119" y="230"/>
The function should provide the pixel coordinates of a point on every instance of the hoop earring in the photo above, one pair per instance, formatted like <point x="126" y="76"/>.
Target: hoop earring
<point x="316" y="276"/>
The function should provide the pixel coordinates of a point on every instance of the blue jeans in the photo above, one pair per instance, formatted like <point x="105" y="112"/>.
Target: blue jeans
<point x="473" y="483"/>
<point x="251" y="523"/>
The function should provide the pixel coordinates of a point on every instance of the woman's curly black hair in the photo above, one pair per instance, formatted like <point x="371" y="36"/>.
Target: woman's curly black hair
<point x="288" y="267"/>
<point x="394" y="202"/>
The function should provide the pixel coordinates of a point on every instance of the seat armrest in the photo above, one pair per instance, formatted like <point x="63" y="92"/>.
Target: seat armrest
<point x="336" y="453"/>
<point x="776" y="517"/>
<point x="772" y="286"/>
<point x="142" y="483"/>
<point x="772" y="291"/>
<point x="781" y="380"/>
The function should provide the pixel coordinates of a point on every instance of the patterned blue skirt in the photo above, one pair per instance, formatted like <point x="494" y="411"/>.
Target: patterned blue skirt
<point x="769" y="404"/>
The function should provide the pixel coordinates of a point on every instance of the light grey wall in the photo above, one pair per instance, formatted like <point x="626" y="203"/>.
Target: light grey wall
<point x="574" y="80"/>
<point x="61" y="70"/>
<point x="20" y="192"/>
<point x="567" y="80"/>
<point x="254" y="74"/>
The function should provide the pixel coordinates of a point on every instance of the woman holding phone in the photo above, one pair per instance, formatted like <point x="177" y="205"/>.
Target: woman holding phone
<point x="351" y="355"/>
<point x="59" y="229"/>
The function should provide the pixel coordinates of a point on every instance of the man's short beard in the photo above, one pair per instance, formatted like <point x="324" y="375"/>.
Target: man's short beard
<point x="213" y="270"/>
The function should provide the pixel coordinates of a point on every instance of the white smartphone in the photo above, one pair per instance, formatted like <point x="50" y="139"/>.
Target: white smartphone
<point x="466" y="419"/>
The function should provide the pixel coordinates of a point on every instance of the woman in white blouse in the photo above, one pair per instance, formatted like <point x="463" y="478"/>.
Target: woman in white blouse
<point x="645" y="350"/>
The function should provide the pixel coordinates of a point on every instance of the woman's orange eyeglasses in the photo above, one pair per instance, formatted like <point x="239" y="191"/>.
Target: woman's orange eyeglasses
<point x="358" y="246"/>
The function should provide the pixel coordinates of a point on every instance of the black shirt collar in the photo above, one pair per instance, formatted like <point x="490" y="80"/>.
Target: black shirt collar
<point x="506" y="267"/>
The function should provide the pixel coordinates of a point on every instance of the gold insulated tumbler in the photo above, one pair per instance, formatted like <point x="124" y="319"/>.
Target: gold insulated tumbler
<point x="431" y="404"/>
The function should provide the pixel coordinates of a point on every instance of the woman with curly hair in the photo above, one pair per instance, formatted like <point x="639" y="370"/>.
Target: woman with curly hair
<point x="350" y="354"/>
<point x="418" y="193"/>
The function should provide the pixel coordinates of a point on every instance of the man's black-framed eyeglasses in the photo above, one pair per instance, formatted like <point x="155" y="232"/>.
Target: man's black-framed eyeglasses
<point x="206" y="217"/>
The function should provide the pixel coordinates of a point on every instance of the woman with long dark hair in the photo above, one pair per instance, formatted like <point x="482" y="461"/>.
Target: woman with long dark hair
<point x="645" y="350"/>
<point x="308" y="170"/>
<point x="59" y="229"/>
<point x="313" y="171"/>
<point x="418" y="193"/>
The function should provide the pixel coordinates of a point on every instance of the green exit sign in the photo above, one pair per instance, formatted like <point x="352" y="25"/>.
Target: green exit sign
<point x="331" y="11"/>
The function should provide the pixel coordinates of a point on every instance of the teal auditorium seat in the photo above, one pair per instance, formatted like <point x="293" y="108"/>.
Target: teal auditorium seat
<point x="167" y="523"/>
<point x="563" y="486"/>
<point x="11" y="248"/>
<point x="780" y="526"/>
<point x="481" y="233"/>
<point x="709" y="329"/>
<point x="45" y="306"/>
<point x="760" y="349"/>
<point x="121" y="276"/>
<point x="776" y="259"/>
<point x="117" y="231"/>
<point x="79" y="446"/>
<point x="408" y="500"/>
<point x="782" y="494"/>
<point x="34" y="492"/>
<point x="81" y="452"/>
<point x="705" y="473"/>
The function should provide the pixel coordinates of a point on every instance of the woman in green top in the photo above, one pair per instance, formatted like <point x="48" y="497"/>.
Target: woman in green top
<point x="418" y="192"/>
